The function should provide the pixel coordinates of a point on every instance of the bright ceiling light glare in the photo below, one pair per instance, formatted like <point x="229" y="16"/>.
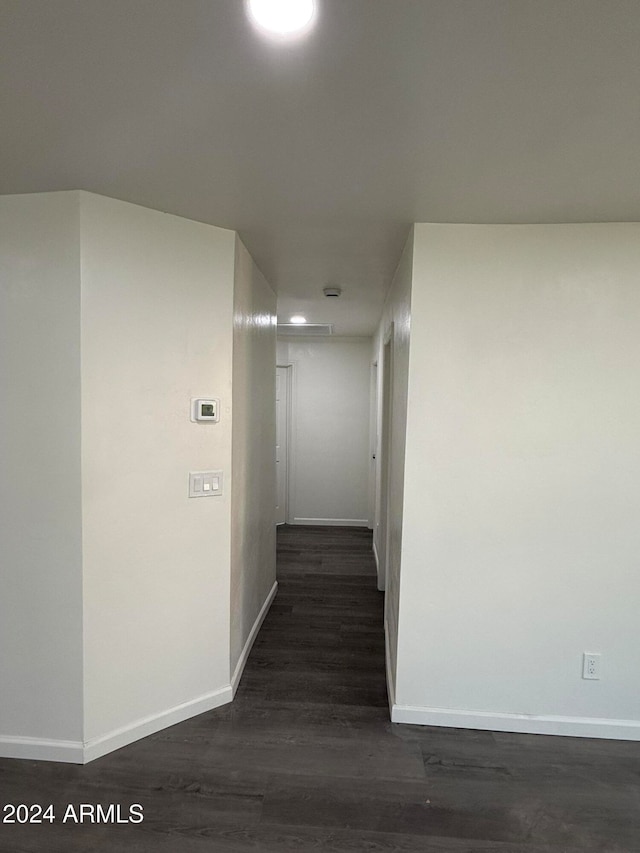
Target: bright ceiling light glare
<point x="282" y="19"/>
<point x="298" y="320"/>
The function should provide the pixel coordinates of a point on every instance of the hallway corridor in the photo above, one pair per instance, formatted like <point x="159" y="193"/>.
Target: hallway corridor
<point x="305" y="759"/>
<point x="322" y="641"/>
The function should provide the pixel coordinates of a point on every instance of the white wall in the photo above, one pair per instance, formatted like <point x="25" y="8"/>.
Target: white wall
<point x="157" y="307"/>
<point x="522" y="492"/>
<point x="115" y="606"/>
<point x="253" y="532"/>
<point x="329" y="446"/>
<point x="395" y="325"/>
<point x="40" y="532"/>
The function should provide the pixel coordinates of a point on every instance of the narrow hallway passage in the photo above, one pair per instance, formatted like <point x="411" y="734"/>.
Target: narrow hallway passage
<point x="322" y="641"/>
<point x="313" y="699"/>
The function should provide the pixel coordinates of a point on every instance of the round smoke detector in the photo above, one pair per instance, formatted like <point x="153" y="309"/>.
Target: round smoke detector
<point x="332" y="291"/>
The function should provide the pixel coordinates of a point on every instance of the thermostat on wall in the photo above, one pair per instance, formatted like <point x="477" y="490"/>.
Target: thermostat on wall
<point x="205" y="410"/>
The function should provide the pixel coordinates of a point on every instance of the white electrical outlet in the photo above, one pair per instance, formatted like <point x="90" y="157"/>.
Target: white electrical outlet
<point x="591" y="666"/>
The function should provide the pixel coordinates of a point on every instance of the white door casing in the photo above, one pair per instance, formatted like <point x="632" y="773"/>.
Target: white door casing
<point x="385" y="460"/>
<point x="282" y="443"/>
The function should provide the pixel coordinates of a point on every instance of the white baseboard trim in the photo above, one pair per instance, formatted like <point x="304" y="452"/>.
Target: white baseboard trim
<point x="391" y="693"/>
<point x="380" y="581"/>
<point x="37" y="749"/>
<point x="332" y="522"/>
<point x="78" y="752"/>
<point x="96" y="747"/>
<point x="244" y="655"/>
<point x="590" y="727"/>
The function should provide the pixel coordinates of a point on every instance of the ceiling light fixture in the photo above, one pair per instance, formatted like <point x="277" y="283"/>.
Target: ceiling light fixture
<point x="282" y="18"/>
<point x="298" y="320"/>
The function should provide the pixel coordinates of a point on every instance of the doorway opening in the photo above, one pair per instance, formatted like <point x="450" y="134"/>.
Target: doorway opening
<point x="283" y="402"/>
<point x="385" y="460"/>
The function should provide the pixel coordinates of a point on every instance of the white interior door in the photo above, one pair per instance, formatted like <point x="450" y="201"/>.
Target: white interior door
<point x="282" y="443"/>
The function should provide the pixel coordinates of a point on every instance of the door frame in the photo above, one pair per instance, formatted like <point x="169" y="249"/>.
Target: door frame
<point x="384" y="456"/>
<point x="374" y="441"/>
<point x="288" y="512"/>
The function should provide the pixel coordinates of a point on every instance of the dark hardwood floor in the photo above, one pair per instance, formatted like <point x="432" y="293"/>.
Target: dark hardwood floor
<point x="305" y="759"/>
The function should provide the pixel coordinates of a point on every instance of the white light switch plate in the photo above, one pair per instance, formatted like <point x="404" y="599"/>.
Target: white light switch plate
<point x="205" y="484"/>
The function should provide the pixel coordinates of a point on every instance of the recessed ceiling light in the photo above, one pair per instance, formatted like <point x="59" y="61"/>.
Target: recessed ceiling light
<point x="282" y="18"/>
<point x="298" y="320"/>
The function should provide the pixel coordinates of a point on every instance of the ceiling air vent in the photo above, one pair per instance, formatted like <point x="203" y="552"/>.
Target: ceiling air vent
<point x="306" y="330"/>
<point x="333" y="292"/>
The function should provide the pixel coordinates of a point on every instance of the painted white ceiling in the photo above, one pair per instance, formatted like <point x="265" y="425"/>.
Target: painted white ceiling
<point x="323" y="152"/>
